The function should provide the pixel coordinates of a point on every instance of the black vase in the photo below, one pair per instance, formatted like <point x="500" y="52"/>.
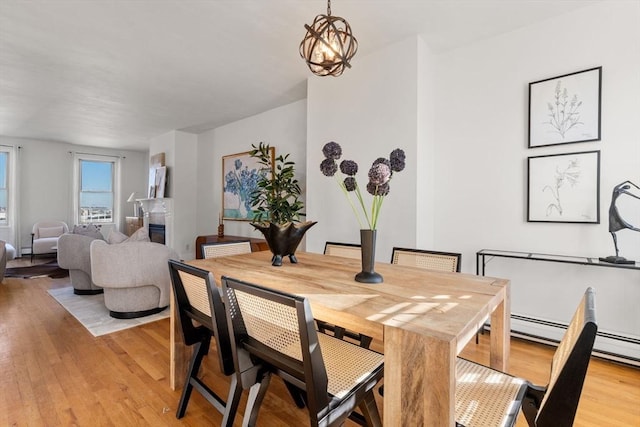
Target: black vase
<point x="368" y="249"/>
<point x="283" y="239"/>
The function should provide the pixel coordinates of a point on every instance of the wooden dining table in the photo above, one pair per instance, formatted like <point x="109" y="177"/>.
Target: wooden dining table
<point x="421" y="319"/>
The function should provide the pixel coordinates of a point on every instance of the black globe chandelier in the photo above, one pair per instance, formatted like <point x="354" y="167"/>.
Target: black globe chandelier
<point x="328" y="45"/>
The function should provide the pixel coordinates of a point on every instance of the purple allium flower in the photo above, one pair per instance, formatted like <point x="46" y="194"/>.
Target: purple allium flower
<point x="396" y="159"/>
<point x="349" y="167"/>
<point x="350" y="183"/>
<point x="378" y="190"/>
<point x="379" y="174"/>
<point x="383" y="161"/>
<point x="332" y="150"/>
<point x="329" y="167"/>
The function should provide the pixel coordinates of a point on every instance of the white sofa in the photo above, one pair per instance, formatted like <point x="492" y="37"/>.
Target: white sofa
<point x="74" y="255"/>
<point x="134" y="276"/>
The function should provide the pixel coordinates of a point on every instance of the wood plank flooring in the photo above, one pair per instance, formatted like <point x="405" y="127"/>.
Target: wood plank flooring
<point x="53" y="372"/>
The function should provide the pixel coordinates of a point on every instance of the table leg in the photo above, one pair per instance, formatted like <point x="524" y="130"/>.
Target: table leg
<point x="501" y="333"/>
<point x="419" y="379"/>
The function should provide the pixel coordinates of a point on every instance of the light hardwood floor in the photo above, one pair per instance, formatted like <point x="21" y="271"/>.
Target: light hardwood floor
<point x="53" y="372"/>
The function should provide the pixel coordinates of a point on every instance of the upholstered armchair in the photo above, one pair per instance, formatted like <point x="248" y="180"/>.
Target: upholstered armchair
<point x="74" y="255"/>
<point x="134" y="276"/>
<point x="44" y="237"/>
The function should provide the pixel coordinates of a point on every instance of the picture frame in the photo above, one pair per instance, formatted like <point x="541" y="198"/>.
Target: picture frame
<point x="240" y="174"/>
<point x="564" y="188"/>
<point x="565" y="109"/>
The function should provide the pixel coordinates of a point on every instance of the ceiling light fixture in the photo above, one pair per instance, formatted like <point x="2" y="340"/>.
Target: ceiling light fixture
<point x="328" y="45"/>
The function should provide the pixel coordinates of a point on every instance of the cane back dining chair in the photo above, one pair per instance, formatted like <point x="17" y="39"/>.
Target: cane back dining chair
<point x="198" y="299"/>
<point x="220" y="249"/>
<point x="433" y="260"/>
<point x="277" y="329"/>
<point x="485" y="397"/>
<point x="347" y="250"/>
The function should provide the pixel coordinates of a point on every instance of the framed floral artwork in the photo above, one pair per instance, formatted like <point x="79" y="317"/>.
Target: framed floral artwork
<point x="564" y="188"/>
<point x="240" y="174"/>
<point x="565" y="109"/>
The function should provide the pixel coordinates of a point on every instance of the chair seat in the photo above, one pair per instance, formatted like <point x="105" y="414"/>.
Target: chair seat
<point x="45" y="245"/>
<point x="486" y="397"/>
<point x="346" y="364"/>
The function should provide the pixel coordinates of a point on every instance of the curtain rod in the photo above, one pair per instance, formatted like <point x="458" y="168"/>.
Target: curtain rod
<point x="94" y="154"/>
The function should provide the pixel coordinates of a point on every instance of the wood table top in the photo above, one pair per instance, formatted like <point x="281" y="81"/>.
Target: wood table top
<point x="447" y="306"/>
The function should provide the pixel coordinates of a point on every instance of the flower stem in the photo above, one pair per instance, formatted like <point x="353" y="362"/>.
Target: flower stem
<point x="346" y="194"/>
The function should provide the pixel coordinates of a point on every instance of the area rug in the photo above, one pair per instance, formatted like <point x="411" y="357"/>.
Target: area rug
<point x="51" y="269"/>
<point x="92" y="313"/>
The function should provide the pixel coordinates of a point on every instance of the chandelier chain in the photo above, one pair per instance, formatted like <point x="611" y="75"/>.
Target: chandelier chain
<point x="328" y="7"/>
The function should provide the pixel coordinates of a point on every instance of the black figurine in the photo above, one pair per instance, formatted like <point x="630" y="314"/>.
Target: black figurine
<point x="616" y="223"/>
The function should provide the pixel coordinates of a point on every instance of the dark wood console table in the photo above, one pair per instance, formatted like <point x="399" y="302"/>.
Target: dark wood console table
<point x="256" y="244"/>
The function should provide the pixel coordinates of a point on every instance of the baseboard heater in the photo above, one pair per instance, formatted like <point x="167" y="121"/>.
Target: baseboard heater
<point x="560" y="328"/>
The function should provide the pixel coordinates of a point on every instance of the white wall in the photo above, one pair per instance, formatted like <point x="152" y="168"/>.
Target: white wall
<point x="181" y="153"/>
<point x="283" y="128"/>
<point x="481" y="131"/>
<point x="46" y="180"/>
<point x="370" y="110"/>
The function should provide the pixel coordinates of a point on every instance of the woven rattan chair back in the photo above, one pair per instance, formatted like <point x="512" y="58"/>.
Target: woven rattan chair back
<point x="202" y="316"/>
<point x="432" y="260"/>
<point x="215" y="250"/>
<point x="346" y="250"/>
<point x="198" y="299"/>
<point x="277" y="328"/>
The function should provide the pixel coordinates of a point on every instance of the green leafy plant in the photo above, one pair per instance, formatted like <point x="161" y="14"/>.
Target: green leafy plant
<point x="277" y="196"/>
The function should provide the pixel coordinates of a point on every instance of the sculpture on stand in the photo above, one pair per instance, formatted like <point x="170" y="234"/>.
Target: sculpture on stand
<point x="616" y="223"/>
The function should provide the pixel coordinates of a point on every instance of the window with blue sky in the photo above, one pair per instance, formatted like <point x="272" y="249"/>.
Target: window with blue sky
<point x="96" y="191"/>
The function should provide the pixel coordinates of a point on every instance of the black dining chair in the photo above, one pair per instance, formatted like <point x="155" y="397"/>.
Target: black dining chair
<point x="486" y="397"/>
<point x="347" y="250"/>
<point x="198" y="300"/>
<point x="220" y="249"/>
<point x="433" y="260"/>
<point x="277" y="330"/>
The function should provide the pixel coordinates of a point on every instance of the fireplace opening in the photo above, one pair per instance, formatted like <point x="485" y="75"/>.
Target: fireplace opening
<point x="157" y="233"/>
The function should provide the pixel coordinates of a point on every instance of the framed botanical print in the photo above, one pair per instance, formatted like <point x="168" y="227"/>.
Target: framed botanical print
<point x="240" y="175"/>
<point x="565" y="109"/>
<point x="564" y="188"/>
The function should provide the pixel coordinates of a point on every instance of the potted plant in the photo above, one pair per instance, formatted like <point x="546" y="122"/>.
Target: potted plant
<point x="277" y="205"/>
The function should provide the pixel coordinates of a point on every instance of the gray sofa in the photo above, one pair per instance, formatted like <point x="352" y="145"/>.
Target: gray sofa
<point x="74" y="255"/>
<point x="134" y="276"/>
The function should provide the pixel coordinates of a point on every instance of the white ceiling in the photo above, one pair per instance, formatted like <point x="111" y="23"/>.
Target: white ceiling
<point x="116" y="73"/>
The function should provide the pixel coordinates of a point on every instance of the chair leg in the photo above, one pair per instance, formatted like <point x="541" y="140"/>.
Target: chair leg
<point x="256" y="396"/>
<point x="370" y="410"/>
<point x="297" y="395"/>
<point x="233" y="400"/>
<point x="199" y="350"/>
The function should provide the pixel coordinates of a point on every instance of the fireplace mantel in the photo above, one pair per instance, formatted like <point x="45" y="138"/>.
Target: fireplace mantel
<point x="159" y="211"/>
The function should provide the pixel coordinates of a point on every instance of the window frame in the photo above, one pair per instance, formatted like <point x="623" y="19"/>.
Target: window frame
<point x="8" y="178"/>
<point x="77" y="186"/>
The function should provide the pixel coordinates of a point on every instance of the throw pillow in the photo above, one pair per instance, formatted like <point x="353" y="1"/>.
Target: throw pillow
<point x="50" y="232"/>
<point x="90" y="230"/>
<point x="116" y="237"/>
<point x="141" y="235"/>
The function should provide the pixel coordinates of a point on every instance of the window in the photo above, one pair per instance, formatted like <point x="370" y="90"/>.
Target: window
<point x="4" y="187"/>
<point x="96" y="189"/>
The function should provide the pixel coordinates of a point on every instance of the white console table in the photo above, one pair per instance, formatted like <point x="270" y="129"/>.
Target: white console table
<point x="544" y="294"/>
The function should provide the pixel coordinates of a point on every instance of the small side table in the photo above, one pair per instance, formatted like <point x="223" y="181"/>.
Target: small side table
<point x="133" y="223"/>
